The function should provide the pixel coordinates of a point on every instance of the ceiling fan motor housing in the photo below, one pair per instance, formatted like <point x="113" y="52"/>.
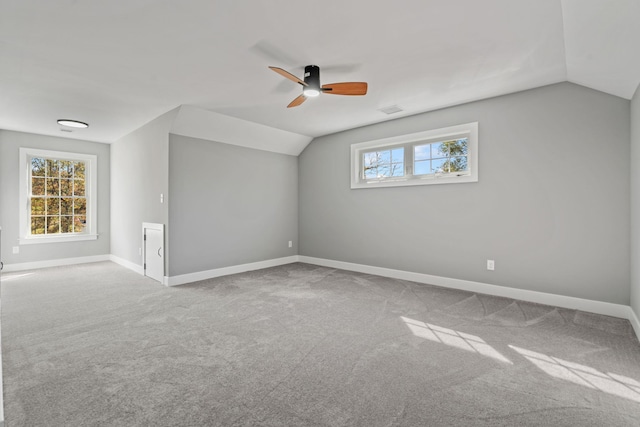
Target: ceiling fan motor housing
<point x="312" y="76"/>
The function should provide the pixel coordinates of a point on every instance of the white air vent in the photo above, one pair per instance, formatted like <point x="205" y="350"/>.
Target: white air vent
<point x="392" y="109"/>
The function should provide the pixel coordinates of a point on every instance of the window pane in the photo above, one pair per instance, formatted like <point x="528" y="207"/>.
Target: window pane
<point x="439" y="149"/>
<point x="53" y="224"/>
<point x="37" y="186"/>
<point x="463" y="145"/>
<point x="53" y="206"/>
<point x="439" y="166"/>
<point x="78" y="224"/>
<point x="422" y="167"/>
<point x="78" y="170"/>
<point x="452" y="148"/>
<point x="422" y="152"/>
<point x="66" y="206"/>
<point x="37" y="166"/>
<point x="37" y="206"/>
<point x="37" y="225"/>
<point x="53" y="187"/>
<point x="390" y="169"/>
<point x="458" y="164"/>
<point x="66" y="187"/>
<point x="395" y="165"/>
<point x="79" y="207"/>
<point x="66" y="224"/>
<point x="384" y="156"/>
<point x="78" y="187"/>
<point x="397" y="155"/>
<point x="370" y="159"/>
<point x="66" y="169"/>
<point x="52" y="168"/>
<point x="384" y="170"/>
<point x="370" y="173"/>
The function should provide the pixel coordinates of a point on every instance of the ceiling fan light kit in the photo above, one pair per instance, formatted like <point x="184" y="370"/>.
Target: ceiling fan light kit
<point x="311" y="85"/>
<point x="310" y="92"/>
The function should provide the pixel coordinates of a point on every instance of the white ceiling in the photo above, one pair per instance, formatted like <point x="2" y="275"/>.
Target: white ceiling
<point x="118" y="64"/>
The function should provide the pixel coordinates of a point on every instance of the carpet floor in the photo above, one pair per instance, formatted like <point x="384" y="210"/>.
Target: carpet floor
<point x="302" y="345"/>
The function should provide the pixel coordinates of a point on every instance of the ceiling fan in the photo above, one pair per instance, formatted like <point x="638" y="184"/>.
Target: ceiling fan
<point x="311" y="85"/>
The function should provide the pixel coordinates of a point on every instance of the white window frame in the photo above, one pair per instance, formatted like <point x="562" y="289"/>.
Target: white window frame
<point x="467" y="130"/>
<point x="91" y="195"/>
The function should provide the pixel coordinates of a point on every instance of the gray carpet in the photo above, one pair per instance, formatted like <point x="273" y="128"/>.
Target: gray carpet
<point x="301" y="345"/>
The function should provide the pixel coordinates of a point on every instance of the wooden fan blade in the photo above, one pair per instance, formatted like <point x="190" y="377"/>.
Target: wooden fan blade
<point x="346" y="88"/>
<point x="288" y="75"/>
<point x="299" y="100"/>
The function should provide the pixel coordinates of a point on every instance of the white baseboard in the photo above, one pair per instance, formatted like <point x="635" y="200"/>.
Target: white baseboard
<point x="598" y="307"/>
<point x="225" y="271"/>
<point x="54" y="263"/>
<point x="128" y="264"/>
<point x="633" y="318"/>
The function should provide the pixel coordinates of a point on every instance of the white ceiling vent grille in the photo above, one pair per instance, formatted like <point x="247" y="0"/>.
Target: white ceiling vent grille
<point x="392" y="109"/>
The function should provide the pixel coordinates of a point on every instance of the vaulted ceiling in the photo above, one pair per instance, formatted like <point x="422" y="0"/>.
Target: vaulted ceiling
<point x="118" y="64"/>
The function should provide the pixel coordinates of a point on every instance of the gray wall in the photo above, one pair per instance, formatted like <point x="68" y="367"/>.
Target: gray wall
<point x="551" y="206"/>
<point x="139" y="174"/>
<point x="635" y="203"/>
<point x="10" y="143"/>
<point x="229" y="205"/>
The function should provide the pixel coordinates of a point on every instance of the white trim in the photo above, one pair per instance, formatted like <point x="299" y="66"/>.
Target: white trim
<point x="127" y="264"/>
<point x="225" y="271"/>
<point x="56" y="238"/>
<point x="598" y="307"/>
<point x="633" y="318"/>
<point x="1" y="390"/>
<point x="153" y="226"/>
<point x="55" y="263"/>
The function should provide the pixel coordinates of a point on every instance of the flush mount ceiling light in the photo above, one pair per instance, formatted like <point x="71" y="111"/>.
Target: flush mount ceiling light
<point x="72" y="123"/>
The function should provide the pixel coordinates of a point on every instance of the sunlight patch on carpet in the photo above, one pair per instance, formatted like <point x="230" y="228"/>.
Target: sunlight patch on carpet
<point x="453" y="338"/>
<point x="586" y="376"/>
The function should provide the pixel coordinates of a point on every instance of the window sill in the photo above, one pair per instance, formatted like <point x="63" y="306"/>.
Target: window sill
<point x="56" y="239"/>
<point x="404" y="182"/>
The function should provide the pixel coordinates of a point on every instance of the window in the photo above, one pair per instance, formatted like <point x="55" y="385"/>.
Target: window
<point x="57" y="196"/>
<point x="440" y="156"/>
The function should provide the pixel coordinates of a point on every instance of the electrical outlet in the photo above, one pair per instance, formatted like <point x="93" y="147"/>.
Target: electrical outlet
<point x="16" y="249"/>
<point x="161" y="198"/>
<point x="290" y="244"/>
<point x="491" y="264"/>
<point x="140" y="251"/>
